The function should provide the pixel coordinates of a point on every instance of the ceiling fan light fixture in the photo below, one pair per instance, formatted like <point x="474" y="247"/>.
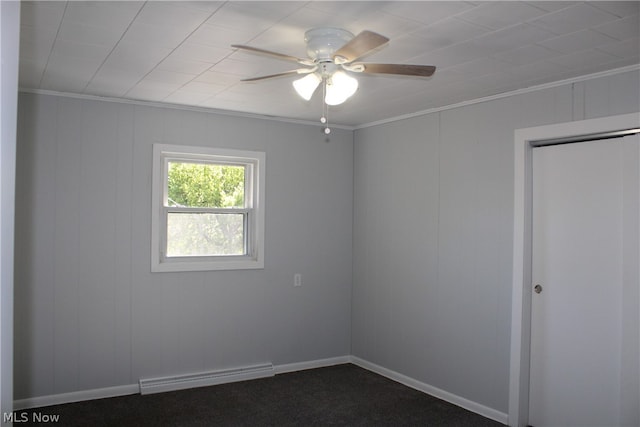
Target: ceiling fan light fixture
<point x="340" y="87"/>
<point x="307" y="85"/>
<point x="332" y="54"/>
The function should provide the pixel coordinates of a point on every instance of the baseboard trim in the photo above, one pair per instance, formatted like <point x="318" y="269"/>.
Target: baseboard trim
<point x="485" y="411"/>
<point x="75" y="396"/>
<point x="124" y="390"/>
<point x="312" y="364"/>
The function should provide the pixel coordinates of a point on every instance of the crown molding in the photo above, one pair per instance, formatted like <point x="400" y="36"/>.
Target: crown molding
<point x="502" y="95"/>
<point x="181" y="107"/>
<point x="221" y="112"/>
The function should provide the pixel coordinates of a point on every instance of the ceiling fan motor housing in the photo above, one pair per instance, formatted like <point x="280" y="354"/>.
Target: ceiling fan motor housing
<point x="323" y="42"/>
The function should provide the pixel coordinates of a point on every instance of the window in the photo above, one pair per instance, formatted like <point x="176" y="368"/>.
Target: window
<point x="208" y="209"/>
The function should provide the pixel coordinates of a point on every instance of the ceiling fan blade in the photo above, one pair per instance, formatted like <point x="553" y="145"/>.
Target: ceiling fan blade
<point x="285" y="73"/>
<point x="401" y="69"/>
<point x="277" y="55"/>
<point x="359" y="46"/>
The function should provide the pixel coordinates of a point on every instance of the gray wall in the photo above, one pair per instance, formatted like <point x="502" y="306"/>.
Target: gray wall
<point x="432" y="204"/>
<point x="433" y="229"/>
<point x="90" y="314"/>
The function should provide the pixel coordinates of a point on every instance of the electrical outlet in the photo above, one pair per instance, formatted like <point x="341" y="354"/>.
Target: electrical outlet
<point x="297" y="279"/>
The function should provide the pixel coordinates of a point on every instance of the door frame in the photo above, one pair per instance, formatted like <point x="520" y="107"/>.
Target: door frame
<point x="525" y="140"/>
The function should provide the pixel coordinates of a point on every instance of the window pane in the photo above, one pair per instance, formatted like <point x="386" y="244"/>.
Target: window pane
<point x="205" y="185"/>
<point x="205" y="234"/>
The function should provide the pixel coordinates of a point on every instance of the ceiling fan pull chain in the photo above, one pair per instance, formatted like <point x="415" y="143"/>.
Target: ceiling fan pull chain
<point x="325" y="108"/>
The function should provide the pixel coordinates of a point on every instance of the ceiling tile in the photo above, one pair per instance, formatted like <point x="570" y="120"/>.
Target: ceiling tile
<point x="169" y="77"/>
<point x="245" y="17"/>
<point x="236" y="67"/>
<point x="307" y="18"/>
<point x="537" y="70"/>
<point x="113" y="82"/>
<point x="133" y="56"/>
<point x="198" y="52"/>
<point x="92" y="34"/>
<point x="207" y="6"/>
<point x="621" y="29"/>
<point x="166" y="14"/>
<point x="513" y="37"/>
<point x="265" y="89"/>
<point x="285" y="39"/>
<point x="454" y="55"/>
<point x="445" y="76"/>
<point x="250" y="66"/>
<point x="178" y="65"/>
<point x="215" y="35"/>
<point x="155" y="35"/>
<point x="448" y="32"/>
<point x="618" y="8"/>
<point x="497" y="15"/>
<point x="628" y="49"/>
<point x="552" y="5"/>
<point x="384" y="23"/>
<point x="116" y="15"/>
<point x="380" y="87"/>
<point x="271" y="9"/>
<point x="45" y="16"/>
<point x="492" y="83"/>
<point x="30" y="73"/>
<point x="63" y="83"/>
<point x="60" y="77"/>
<point x="241" y="93"/>
<point x="575" y="18"/>
<point x="583" y="58"/>
<point x="481" y="67"/>
<point x="347" y="11"/>
<point x="76" y="49"/>
<point x="216" y="77"/>
<point x="526" y="55"/>
<point x="597" y="67"/>
<point x="579" y="40"/>
<point x="35" y="47"/>
<point x="272" y="87"/>
<point x="427" y="12"/>
<point x="202" y="87"/>
<point x="152" y="90"/>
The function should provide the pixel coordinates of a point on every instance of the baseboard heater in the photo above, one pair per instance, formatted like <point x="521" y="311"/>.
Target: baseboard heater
<point x="203" y="379"/>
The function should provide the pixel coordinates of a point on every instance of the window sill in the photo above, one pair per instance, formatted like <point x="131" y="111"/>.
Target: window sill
<point x="223" y="263"/>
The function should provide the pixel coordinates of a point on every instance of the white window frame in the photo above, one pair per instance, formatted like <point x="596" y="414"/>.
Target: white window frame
<point x="254" y="211"/>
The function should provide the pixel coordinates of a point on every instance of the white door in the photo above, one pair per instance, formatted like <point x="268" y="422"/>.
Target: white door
<point x="585" y="338"/>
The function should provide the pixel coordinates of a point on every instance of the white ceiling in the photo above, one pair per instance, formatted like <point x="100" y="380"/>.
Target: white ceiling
<point x="179" y="51"/>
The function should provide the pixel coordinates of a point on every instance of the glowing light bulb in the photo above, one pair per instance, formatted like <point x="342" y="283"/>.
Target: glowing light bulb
<point x="339" y="88"/>
<point x="307" y="85"/>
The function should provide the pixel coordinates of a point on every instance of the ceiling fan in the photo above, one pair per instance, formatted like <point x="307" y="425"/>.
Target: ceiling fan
<point x="333" y="54"/>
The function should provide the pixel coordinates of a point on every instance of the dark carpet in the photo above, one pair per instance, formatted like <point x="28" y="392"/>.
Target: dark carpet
<point x="342" y="395"/>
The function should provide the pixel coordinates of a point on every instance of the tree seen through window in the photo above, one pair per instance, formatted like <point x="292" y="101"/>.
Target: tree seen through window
<point x="196" y="232"/>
